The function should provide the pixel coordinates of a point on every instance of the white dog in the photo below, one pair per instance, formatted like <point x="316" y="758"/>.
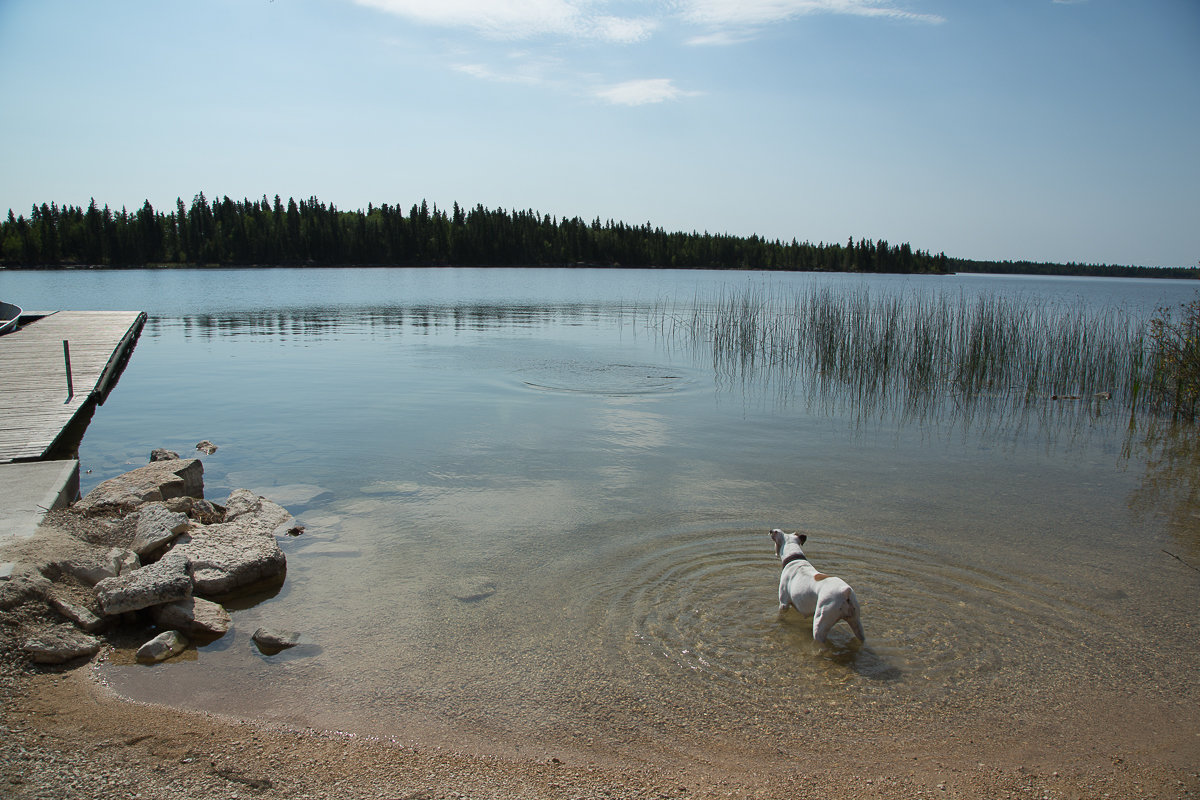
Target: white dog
<point x="826" y="598"/>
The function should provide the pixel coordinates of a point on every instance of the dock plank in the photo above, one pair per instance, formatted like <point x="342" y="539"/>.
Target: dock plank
<point x="34" y="404"/>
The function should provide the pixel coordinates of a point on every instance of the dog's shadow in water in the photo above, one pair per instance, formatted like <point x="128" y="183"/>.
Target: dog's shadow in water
<point x="843" y="649"/>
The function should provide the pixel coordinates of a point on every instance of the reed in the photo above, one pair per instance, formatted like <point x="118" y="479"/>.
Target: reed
<point x="1174" y="361"/>
<point x="924" y="352"/>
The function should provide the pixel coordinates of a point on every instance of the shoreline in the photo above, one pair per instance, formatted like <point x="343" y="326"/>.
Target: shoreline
<point x="64" y="729"/>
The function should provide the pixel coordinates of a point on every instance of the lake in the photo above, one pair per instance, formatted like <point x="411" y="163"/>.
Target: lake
<point x="534" y="521"/>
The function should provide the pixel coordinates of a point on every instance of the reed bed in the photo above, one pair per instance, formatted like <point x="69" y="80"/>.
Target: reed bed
<point x="922" y="352"/>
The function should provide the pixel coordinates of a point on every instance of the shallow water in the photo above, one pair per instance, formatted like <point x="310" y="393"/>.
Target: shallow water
<point x="533" y="521"/>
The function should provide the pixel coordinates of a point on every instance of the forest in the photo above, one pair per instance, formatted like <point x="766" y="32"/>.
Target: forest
<point x="267" y="233"/>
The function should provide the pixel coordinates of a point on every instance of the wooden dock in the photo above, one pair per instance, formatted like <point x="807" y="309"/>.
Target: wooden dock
<point x="35" y="406"/>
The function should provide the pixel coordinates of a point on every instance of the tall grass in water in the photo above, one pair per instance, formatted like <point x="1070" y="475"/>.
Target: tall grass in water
<point x="1175" y="359"/>
<point x="921" y="352"/>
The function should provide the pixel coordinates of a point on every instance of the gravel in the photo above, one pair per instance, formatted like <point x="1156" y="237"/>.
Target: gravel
<point x="64" y="735"/>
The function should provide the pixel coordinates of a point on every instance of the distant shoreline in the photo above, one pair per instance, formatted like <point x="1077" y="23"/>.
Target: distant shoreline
<point x="970" y="268"/>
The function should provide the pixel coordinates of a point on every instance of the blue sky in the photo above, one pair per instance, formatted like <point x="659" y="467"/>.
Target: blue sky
<point x="993" y="129"/>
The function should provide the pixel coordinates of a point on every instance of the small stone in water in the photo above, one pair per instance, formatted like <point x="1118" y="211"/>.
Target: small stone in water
<point x="270" y="642"/>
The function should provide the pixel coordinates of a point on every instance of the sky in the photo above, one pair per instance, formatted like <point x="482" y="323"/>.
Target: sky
<point x="1044" y="130"/>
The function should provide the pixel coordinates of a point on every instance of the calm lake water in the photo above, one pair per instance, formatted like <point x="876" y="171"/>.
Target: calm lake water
<point x="534" y="520"/>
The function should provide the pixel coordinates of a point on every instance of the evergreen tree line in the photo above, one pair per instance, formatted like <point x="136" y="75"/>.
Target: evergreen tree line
<point x="310" y="233"/>
<point x="1092" y="270"/>
<point x="269" y="233"/>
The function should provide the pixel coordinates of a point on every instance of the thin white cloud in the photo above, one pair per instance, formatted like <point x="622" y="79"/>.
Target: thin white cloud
<point x="711" y="23"/>
<point x="723" y="22"/>
<point x="520" y="19"/>
<point x="642" y="92"/>
<point x="751" y="13"/>
<point x="622" y="29"/>
<point x="521" y="67"/>
<point x="720" y="39"/>
<point x="483" y="72"/>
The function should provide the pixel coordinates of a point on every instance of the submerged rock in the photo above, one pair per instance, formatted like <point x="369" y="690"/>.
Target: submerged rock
<point x="270" y="641"/>
<point x="162" y="454"/>
<point x="162" y="647"/>
<point x="294" y="494"/>
<point x="243" y="502"/>
<point x="472" y="590"/>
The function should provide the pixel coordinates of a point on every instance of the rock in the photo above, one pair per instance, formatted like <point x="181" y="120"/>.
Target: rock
<point x="206" y="447"/>
<point x="243" y="501"/>
<point x="161" y="480"/>
<point x="162" y="454"/>
<point x="157" y="527"/>
<point x="123" y="560"/>
<point x="162" y="647"/>
<point x="232" y="555"/>
<point x="7" y="569"/>
<point x="90" y="570"/>
<point x="179" y="505"/>
<point x="82" y="617"/>
<point x="59" y="644"/>
<point x="22" y="589"/>
<point x="194" y="616"/>
<point x="239" y="552"/>
<point x="165" y="581"/>
<point x="270" y="641"/>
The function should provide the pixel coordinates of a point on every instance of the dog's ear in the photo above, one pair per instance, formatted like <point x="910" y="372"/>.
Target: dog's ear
<point x="803" y="538"/>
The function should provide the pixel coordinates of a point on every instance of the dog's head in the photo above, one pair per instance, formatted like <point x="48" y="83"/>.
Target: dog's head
<point x="787" y="543"/>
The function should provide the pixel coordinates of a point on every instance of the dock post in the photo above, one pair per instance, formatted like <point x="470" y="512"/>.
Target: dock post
<point x="67" y="359"/>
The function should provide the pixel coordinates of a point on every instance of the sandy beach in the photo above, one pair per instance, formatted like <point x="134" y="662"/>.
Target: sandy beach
<point x="67" y="735"/>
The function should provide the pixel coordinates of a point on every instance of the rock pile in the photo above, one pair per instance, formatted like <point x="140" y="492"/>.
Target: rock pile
<point x="150" y="549"/>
